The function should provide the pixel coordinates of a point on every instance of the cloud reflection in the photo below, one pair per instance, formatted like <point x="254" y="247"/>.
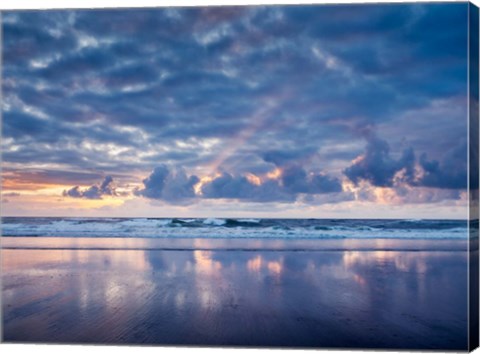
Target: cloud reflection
<point x="324" y="298"/>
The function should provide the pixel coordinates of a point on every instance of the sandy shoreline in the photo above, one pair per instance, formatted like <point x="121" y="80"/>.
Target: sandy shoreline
<point x="378" y="295"/>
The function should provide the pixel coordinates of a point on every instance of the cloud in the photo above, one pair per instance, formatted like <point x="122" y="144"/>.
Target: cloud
<point x="93" y="192"/>
<point x="451" y="173"/>
<point x="47" y="176"/>
<point x="73" y="192"/>
<point x="170" y="185"/>
<point x="288" y="156"/>
<point x="117" y="91"/>
<point x="327" y="198"/>
<point x="154" y="183"/>
<point x="377" y="166"/>
<point x="296" y="180"/>
<point x="175" y="186"/>
<point x="99" y="69"/>
<point x="11" y="195"/>
<point x="227" y="186"/>
<point x="407" y="195"/>
<point x="417" y="195"/>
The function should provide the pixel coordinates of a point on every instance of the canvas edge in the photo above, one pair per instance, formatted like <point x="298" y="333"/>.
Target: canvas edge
<point x="1" y="174"/>
<point x="473" y="175"/>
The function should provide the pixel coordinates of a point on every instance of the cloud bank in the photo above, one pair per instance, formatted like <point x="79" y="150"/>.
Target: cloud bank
<point x="252" y="103"/>
<point x="93" y="192"/>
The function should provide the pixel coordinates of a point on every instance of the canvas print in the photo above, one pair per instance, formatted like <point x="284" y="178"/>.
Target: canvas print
<point x="301" y="176"/>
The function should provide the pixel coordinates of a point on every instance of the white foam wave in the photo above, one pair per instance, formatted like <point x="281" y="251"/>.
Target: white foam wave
<point x="213" y="221"/>
<point x="251" y="221"/>
<point x="215" y="228"/>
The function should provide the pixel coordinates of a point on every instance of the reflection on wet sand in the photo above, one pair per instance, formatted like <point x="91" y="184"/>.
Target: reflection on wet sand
<point x="351" y="298"/>
<point x="258" y="263"/>
<point x="403" y="261"/>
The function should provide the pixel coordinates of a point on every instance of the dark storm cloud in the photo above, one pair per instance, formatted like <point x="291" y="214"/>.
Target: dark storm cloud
<point x="378" y="167"/>
<point x="450" y="174"/>
<point x="155" y="183"/>
<point x="74" y="192"/>
<point x="173" y="186"/>
<point x="296" y="180"/>
<point x="93" y="192"/>
<point x="283" y="81"/>
<point x="228" y="186"/>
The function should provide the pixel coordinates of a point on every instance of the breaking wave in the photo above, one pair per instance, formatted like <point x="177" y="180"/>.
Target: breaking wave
<point x="234" y="228"/>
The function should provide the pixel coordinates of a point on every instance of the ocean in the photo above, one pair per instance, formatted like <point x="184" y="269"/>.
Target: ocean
<point x="235" y="228"/>
<point x="323" y="283"/>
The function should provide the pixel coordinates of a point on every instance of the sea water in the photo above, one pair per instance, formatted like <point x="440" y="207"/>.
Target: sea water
<point x="227" y="228"/>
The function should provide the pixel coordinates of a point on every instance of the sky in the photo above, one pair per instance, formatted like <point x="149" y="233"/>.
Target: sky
<point x="348" y="111"/>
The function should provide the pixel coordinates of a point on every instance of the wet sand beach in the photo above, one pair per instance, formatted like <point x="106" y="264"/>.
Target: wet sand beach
<point x="398" y="294"/>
